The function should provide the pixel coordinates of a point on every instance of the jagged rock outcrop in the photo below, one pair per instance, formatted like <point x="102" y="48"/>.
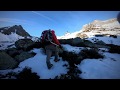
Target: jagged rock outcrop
<point x="98" y="27"/>
<point x="25" y="44"/>
<point x="10" y="58"/>
<point x="82" y="35"/>
<point x="23" y="56"/>
<point x="18" y="29"/>
<point x="6" y="61"/>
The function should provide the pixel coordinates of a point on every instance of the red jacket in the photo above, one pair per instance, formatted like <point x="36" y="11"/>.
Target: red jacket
<point x="55" y="38"/>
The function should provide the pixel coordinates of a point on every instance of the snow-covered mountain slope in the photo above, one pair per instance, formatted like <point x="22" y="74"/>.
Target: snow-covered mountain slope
<point x="97" y="27"/>
<point x="107" y="27"/>
<point x="35" y="39"/>
<point x="9" y="35"/>
<point x="69" y="35"/>
<point x="13" y="33"/>
<point x="11" y="38"/>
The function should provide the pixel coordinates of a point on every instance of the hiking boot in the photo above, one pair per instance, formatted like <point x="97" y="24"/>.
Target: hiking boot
<point x="56" y="60"/>
<point x="49" y="66"/>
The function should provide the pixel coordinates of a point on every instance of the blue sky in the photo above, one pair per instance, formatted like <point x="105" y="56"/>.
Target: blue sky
<point x="34" y="22"/>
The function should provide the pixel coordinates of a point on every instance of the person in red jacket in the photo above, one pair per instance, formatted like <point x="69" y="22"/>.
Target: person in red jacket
<point x="52" y="48"/>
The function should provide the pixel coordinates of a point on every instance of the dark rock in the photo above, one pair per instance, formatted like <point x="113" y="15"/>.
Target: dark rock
<point x="6" y="61"/>
<point x="18" y="29"/>
<point x="25" y="44"/>
<point x="26" y="73"/>
<point x="118" y="17"/>
<point x="90" y="53"/>
<point x="114" y="48"/>
<point x="23" y="56"/>
<point x="12" y="52"/>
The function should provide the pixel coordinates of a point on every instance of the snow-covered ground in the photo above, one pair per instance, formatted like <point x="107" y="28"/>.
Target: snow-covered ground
<point x="106" y="68"/>
<point x="107" y="40"/>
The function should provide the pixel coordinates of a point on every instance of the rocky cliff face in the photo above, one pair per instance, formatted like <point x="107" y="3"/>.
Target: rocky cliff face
<point x="97" y="27"/>
<point x="18" y="29"/>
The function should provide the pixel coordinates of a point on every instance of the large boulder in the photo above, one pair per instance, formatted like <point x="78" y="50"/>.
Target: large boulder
<point x="18" y="29"/>
<point x="88" y="43"/>
<point x="25" y="44"/>
<point x="65" y="41"/>
<point x="6" y="61"/>
<point x="77" y="41"/>
<point x="23" y="56"/>
<point x="12" y="52"/>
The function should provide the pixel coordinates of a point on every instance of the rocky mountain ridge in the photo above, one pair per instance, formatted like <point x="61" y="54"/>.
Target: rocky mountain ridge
<point x="97" y="27"/>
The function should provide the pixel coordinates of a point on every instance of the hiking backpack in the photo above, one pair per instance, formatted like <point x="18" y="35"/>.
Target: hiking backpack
<point x="46" y="37"/>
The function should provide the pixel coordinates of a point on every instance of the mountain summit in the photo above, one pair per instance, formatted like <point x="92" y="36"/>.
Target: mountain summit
<point x="13" y="33"/>
<point x="97" y="27"/>
<point x="18" y="29"/>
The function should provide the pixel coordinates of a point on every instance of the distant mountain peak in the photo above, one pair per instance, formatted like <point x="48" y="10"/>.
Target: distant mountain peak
<point x="98" y="27"/>
<point x="67" y="33"/>
<point x="105" y="27"/>
<point x="97" y="20"/>
<point x="13" y="33"/>
<point x="100" y="22"/>
<point x="18" y="29"/>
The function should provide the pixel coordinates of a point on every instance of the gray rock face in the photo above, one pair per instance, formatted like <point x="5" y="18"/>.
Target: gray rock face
<point x="18" y="29"/>
<point x="24" y="44"/>
<point x="77" y="41"/>
<point x="23" y="56"/>
<point x="6" y="61"/>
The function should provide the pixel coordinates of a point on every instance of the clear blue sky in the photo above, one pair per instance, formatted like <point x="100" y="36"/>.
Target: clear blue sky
<point x="34" y="22"/>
